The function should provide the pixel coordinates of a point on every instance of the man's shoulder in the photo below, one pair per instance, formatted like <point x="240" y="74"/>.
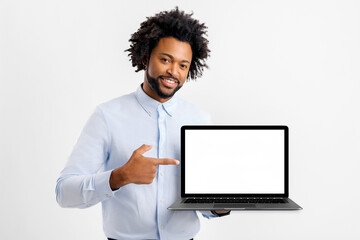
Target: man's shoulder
<point x="118" y="102"/>
<point x="185" y="104"/>
<point x="189" y="109"/>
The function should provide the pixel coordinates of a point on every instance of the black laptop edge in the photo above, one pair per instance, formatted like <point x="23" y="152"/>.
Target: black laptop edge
<point x="252" y="127"/>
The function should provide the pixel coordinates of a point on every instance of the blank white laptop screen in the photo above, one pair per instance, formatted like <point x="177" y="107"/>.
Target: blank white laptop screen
<point x="236" y="161"/>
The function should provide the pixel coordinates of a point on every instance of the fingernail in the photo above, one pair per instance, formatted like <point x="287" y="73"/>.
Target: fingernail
<point x="177" y="162"/>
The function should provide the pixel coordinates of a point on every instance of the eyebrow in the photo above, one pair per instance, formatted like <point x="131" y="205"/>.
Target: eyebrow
<point x="170" y="56"/>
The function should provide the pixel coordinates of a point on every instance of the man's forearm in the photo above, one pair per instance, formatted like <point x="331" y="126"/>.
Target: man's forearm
<point x="70" y="190"/>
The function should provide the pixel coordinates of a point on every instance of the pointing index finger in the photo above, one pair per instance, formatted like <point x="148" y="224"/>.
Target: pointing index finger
<point x="166" y="161"/>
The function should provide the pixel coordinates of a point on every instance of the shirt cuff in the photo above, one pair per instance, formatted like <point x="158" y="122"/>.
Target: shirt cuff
<point x="208" y="214"/>
<point x="102" y="185"/>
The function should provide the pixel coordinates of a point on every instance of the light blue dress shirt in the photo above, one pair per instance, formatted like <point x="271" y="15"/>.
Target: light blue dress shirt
<point x="113" y="132"/>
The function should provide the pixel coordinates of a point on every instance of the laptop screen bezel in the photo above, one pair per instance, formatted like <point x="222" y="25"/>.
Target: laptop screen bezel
<point x="235" y="127"/>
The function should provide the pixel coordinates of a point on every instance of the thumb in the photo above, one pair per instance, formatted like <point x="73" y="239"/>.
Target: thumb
<point x="144" y="148"/>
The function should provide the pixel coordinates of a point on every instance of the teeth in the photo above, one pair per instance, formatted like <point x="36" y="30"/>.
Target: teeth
<point x="170" y="81"/>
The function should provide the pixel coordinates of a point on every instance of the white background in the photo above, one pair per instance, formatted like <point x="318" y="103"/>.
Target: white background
<point x="272" y="62"/>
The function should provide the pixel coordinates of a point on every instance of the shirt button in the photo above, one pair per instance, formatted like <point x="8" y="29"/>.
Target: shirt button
<point x="162" y="227"/>
<point x="161" y="148"/>
<point x="161" y="200"/>
<point x="89" y="205"/>
<point x="107" y="195"/>
<point x="162" y="174"/>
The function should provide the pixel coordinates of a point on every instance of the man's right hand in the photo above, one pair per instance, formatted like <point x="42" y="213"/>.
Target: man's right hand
<point x="139" y="169"/>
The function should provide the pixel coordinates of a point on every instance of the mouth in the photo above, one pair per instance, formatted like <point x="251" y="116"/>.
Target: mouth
<point x="169" y="82"/>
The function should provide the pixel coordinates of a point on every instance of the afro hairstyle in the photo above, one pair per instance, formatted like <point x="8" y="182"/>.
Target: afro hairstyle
<point x="176" y="24"/>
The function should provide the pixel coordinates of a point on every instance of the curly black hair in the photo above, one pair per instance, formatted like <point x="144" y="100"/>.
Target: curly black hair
<point x="174" y="23"/>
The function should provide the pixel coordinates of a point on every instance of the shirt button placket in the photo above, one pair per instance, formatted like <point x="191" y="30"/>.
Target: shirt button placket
<point x="161" y="144"/>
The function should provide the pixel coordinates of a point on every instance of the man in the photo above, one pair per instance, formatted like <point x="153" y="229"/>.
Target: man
<point x="127" y="156"/>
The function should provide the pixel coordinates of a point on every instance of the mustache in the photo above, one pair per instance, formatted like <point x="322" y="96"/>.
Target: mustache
<point x="170" y="77"/>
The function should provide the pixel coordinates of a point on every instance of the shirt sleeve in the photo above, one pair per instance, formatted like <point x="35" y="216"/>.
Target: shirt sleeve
<point x="208" y="214"/>
<point x="81" y="183"/>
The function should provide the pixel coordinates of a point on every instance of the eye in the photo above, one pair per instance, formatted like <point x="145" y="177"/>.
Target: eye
<point x="184" y="66"/>
<point x="165" y="60"/>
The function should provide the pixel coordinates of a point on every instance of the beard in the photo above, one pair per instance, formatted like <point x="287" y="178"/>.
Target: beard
<point x="155" y="86"/>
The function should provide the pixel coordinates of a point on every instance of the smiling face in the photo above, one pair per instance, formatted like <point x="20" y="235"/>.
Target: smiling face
<point x="167" y="68"/>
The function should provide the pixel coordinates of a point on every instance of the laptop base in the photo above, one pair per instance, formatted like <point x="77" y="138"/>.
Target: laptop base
<point x="179" y="205"/>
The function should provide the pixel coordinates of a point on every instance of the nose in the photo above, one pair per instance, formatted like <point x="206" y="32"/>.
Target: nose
<point x="173" y="70"/>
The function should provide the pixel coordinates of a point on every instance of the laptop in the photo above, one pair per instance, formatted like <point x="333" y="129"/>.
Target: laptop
<point x="234" y="168"/>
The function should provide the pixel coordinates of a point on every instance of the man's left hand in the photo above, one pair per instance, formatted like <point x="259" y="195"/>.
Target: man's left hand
<point x="221" y="212"/>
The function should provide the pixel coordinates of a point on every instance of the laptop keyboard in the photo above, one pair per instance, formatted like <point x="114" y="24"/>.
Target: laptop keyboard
<point x="234" y="200"/>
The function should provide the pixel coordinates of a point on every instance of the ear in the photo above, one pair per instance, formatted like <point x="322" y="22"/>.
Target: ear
<point x="145" y="60"/>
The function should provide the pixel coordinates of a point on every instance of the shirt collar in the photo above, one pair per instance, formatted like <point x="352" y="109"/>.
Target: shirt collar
<point x="150" y="105"/>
